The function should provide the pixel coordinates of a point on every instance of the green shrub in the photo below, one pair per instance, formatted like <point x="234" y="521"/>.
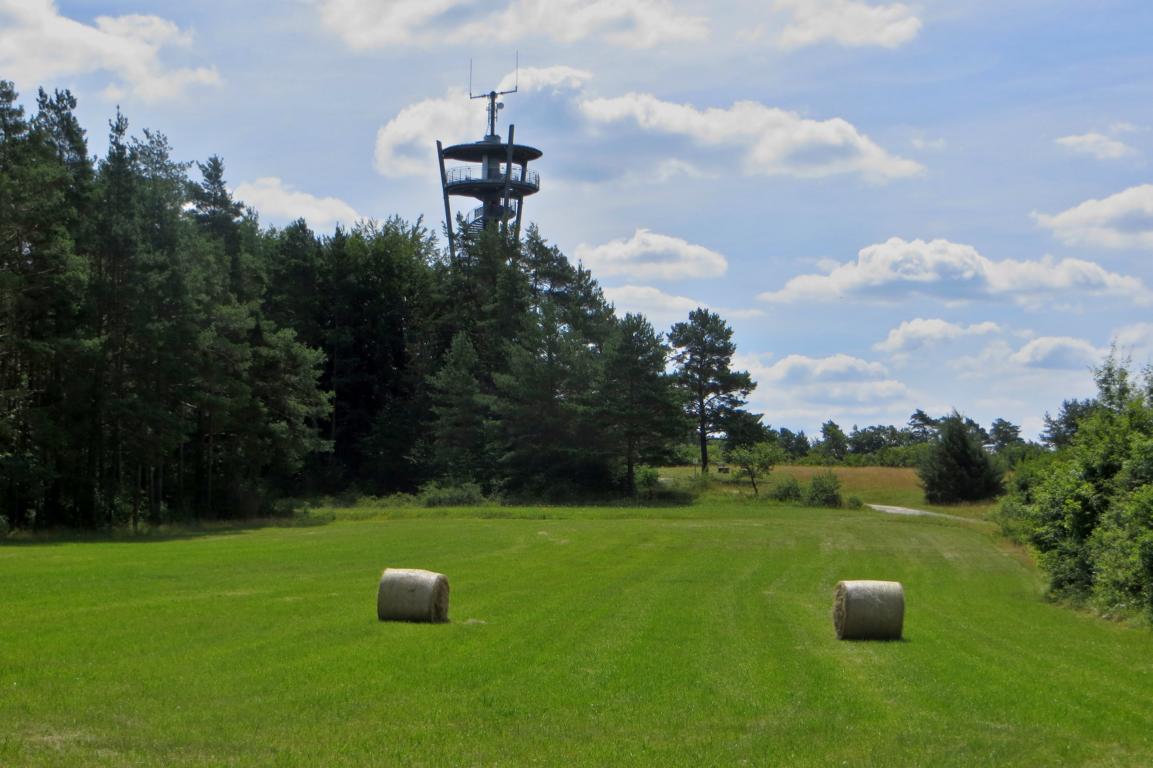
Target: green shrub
<point x="824" y="490"/>
<point x="788" y="489"/>
<point x="854" y="503"/>
<point x="647" y="479"/>
<point x="1121" y="549"/>
<point x="462" y="495"/>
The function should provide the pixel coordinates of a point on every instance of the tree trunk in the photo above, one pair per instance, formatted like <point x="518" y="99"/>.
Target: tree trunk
<point x="630" y="471"/>
<point x="703" y="430"/>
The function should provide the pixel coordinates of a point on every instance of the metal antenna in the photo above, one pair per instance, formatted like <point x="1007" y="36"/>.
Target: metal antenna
<point x="493" y="104"/>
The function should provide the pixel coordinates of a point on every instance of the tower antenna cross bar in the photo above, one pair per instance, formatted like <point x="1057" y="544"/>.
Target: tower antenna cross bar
<point x="493" y="104"/>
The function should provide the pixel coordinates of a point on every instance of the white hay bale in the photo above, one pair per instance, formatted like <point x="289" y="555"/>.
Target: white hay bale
<point x="869" y="610"/>
<point x="410" y="594"/>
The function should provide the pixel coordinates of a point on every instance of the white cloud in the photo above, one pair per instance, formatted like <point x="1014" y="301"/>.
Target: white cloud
<point x="898" y="269"/>
<point x="800" y="369"/>
<point x="651" y="256"/>
<point x="847" y="22"/>
<point x="279" y="201"/>
<point x="917" y="333"/>
<point x="928" y="145"/>
<point x="1058" y="353"/>
<point x="1097" y="145"/>
<point x="38" y="45"/>
<point x="557" y="78"/>
<point x="775" y="141"/>
<point x="663" y="309"/>
<point x="368" y="24"/>
<point x="405" y="144"/>
<point x="798" y="389"/>
<point x="1136" y="340"/>
<point x="1123" y="220"/>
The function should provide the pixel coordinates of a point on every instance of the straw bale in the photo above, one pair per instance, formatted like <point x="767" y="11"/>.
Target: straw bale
<point x="869" y="610"/>
<point x="410" y="594"/>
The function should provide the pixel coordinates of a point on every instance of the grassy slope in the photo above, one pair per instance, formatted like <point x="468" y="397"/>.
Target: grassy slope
<point x="698" y="640"/>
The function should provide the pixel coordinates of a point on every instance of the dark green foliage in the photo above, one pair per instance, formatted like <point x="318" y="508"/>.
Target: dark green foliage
<point x="703" y="352"/>
<point x="958" y="468"/>
<point x="743" y="429"/>
<point x="143" y="382"/>
<point x="1087" y="510"/>
<point x="824" y="490"/>
<point x="788" y="489"/>
<point x="795" y="444"/>
<point x="1005" y="435"/>
<point x="460" y="433"/>
<point x="922" y="428"/>
<point x="1060" y="429"/>
<point x="874" y="439"/>
<point x="637" y="401"/>
<point x="834" y="445"/>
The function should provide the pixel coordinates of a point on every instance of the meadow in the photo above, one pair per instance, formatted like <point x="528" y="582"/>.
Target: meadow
<point x="682" y="636"/>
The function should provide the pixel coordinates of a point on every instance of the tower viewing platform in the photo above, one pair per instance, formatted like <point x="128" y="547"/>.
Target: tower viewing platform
<point x="493" y="172"/>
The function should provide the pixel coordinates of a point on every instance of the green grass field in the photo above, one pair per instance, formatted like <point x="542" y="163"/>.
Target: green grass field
<point x="697" y="636"/>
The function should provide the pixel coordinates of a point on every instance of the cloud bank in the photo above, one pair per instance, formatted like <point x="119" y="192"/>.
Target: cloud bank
<point x="1097" y="145"/>
<point x="370" y="24"/>
<point x="898" y="269"/>
<point x="651" y="256"/>
<point x="772" y="141"/>
<point x="920" y="332"/>
<point x="663" y="309"/>
<point x="281" y="202"/>
<point x="846" y="22"/>
<point x="1123" y="220"/>
<point x="762" y="140"/>
<point x="39" y="45"/>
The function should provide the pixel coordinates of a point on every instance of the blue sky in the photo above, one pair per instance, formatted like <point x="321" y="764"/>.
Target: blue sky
<point x="911" y="205"/>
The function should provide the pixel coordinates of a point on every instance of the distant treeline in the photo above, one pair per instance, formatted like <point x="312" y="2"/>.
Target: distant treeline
<point x="883" y="444"/>
<point x="164" y="358"/>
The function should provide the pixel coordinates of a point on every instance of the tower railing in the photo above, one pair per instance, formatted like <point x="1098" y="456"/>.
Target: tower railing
<point x="466" y="174"/>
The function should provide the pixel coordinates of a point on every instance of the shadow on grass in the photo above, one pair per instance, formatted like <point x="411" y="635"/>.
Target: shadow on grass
<point x="343" y="510"/>
<point x="157" y="533"/>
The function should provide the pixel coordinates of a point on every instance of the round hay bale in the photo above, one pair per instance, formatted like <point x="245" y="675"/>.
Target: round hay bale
<point x="410" y="594"/>
<point x="869" y="610"/>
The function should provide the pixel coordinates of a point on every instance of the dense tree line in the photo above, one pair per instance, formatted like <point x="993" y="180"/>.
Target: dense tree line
<point x="140" y="374"/>
<point x="163" y="357"/>
<point x="1087" y="508"/>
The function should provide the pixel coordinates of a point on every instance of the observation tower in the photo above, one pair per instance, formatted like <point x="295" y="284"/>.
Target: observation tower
<point x="494" y="173"/>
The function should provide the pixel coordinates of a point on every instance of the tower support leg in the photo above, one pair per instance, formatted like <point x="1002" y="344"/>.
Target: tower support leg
<point x="447" y="207"/>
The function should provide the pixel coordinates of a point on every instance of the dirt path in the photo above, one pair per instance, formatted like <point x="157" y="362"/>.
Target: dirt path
<point x="919" y="513"/>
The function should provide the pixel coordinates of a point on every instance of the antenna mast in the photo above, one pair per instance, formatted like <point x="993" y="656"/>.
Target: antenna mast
<point x="493" y="105"/>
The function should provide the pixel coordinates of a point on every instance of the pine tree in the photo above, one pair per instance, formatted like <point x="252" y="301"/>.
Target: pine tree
<point x="639" y="406"/>
<point x="461" y="431"/>
<point x="958" y="468"/>
<point x="703" y="352"/>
